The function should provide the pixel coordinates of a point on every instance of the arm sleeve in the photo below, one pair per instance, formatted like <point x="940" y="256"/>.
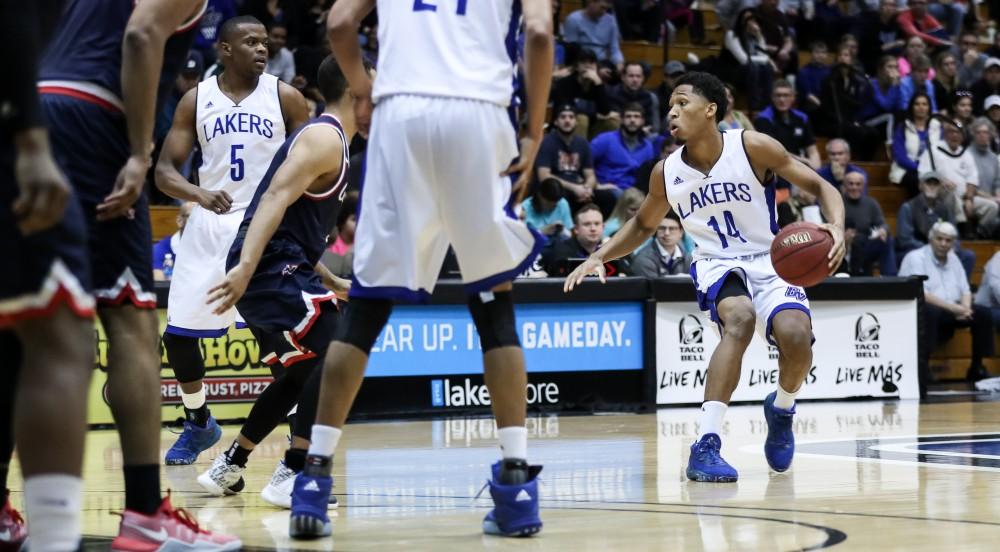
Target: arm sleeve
<point x="899" y="149"/>
<point x="564" y="217"/>
<point x="909" y="266"/>
<point x="904" y="230"/>
<point x="26" y="27"/>
<point x="735" y="48"/>
<point x="616" y="44"/>
<point x="905" y="22"/>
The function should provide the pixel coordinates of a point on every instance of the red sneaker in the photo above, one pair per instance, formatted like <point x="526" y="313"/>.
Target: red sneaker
<point x="13" y="532"/>
<point x="168" y="529"/>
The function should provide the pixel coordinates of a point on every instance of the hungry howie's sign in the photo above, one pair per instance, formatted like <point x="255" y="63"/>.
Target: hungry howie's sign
<point x="861" y="350"/>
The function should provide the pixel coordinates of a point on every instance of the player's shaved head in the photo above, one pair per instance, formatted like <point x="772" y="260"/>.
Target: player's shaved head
<point x="230" y="29"/>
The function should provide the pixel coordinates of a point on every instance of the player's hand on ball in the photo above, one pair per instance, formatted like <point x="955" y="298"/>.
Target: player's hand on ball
<point x="216" y="201"/>
<point x="837" y="251"/>
<point x="590" y="266"/>
<point x="43" y="188"/>
<point x="225" y="295"/>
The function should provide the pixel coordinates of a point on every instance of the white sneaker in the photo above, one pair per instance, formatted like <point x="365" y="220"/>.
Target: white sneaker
<point x="222" y="478"/>
<point x="278" y="491"/>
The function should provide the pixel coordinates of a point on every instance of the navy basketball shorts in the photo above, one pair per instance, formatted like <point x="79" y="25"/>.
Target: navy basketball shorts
<point x="90" y="143"/>
<point x="46" y="269"/>
<point x="286" y="302"/>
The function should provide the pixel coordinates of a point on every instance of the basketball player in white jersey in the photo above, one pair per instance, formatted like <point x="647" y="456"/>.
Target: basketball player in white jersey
<point x="440" y="148"/>
<point x="721" y="185"/>
<point x="240" y="119"/>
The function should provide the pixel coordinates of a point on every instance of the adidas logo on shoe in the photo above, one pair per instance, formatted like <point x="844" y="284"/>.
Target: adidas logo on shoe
<point x="522" y="496"/>
<point x="311" y="486"/>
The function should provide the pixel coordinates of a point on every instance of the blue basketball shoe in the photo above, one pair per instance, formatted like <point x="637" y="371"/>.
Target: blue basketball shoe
<point x="193" y="441"/>
<point x="515" y="507"/>
<point x="706" y="464"/>
<point x="310" y="496"/>
<point x="779" y="448"/>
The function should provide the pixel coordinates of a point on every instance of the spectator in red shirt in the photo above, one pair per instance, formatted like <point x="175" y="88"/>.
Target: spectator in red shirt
<point x="917" y="22"/>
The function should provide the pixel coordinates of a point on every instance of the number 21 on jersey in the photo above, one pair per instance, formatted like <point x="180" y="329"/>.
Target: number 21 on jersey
<point x="426" y="5"/>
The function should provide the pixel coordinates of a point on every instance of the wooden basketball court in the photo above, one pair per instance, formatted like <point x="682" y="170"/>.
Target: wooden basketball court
<point x="895" y="475"/>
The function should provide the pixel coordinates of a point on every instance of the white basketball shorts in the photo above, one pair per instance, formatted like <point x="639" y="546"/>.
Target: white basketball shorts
<point x="200" y="264"/>
<point x="433" y="179"/>
<point x="769" y="293"/>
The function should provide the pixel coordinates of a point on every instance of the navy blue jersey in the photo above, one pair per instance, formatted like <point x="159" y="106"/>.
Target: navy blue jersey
<point x="87" y="48"/>
<point x="307" y="221"/>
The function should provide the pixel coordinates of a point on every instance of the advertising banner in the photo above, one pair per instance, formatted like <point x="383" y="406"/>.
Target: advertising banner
<point x="429" y="357"/>
<point x="862" y="349"/>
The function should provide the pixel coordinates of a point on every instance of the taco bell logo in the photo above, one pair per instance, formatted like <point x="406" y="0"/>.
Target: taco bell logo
<point x="866" y="336"/>
<point x="691" y="335"/>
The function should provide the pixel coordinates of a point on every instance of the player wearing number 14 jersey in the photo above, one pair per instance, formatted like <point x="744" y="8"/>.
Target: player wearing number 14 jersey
<point x="721" y="185"/>
<point x="240" y="119"/>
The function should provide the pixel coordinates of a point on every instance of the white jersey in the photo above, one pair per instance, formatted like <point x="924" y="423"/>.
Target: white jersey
<point x="448" y="48"/>
<point x="238" y="141"/>
<point x="728" y="213"/>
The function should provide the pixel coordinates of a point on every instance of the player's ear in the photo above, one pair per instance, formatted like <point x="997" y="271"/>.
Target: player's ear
<point x="710" y="110"/>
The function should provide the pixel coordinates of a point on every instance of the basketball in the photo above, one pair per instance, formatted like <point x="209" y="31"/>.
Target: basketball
<point x="799" y="254"/>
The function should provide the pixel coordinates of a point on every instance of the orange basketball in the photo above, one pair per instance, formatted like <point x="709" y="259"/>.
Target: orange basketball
<point x="799" y="254"/>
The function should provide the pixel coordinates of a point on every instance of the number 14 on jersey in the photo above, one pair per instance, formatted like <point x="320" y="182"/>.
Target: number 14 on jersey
<point x="731" y="229"/>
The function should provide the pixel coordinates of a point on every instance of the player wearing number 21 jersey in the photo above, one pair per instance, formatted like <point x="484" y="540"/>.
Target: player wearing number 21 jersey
<point x="721" y="185"/>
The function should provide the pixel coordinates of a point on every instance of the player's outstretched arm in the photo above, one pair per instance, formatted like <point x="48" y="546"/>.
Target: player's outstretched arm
<point x="767" y="154"/>
<point x="176" y="150"/>
<point x="342" y="31"/>
<point x="150" y="25"/>
<point x="308" y="160"/>
<point x="631" y="235"/>
<point x="293" y="106"/>
<point x="538" y="56"/>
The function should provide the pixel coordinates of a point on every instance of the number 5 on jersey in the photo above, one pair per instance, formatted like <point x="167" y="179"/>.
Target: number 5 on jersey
<point x="235" y="163"/>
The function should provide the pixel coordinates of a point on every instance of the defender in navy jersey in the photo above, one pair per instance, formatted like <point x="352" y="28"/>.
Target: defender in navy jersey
<point x="46" y="311"/>
<point x="721" y="184"/>
<point x="99" y="84"/>
<point x="275" y="279"/>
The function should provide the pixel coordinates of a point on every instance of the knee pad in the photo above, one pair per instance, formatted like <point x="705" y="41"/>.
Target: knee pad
<point x="363" y="321"/>
<point x="494" y="320"/>
<point x="184" y="354"/>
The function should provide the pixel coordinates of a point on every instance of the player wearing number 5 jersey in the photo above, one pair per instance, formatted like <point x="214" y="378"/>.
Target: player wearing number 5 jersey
<point x="721" y="185"/>
<point x="239" y="119"/>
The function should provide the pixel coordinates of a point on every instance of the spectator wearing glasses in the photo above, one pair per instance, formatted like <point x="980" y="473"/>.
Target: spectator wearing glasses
<point x="665" y="256"/>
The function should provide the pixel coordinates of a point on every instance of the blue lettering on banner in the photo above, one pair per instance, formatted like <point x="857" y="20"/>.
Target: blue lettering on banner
<point x="441" y="340"/>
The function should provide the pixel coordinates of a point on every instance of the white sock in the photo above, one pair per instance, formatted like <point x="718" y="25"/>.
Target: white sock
<point x="712" y="414"/>
<point x="513" y="442"/>
<point x="194" y="401"/>
<point x="53" y="504"/>
<point x="324" y="440"/>
<point x="785" y="400"/>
